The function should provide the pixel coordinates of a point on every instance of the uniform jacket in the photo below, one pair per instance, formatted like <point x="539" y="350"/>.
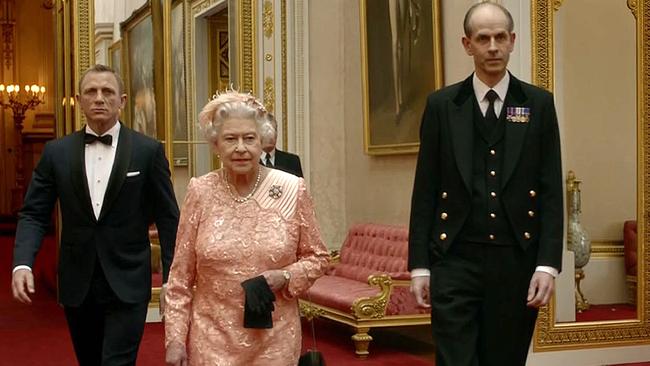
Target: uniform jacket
<point x="531" y="176"/>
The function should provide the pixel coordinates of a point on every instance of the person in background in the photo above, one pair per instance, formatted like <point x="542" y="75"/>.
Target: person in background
<point x="275" y="158"/>
<point x="111" y="183"/>
<point x="486" y="227"/>
<point x="248" y="244"/>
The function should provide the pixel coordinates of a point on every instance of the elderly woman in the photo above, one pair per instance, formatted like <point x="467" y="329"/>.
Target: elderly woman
<point x="238" y="223"/>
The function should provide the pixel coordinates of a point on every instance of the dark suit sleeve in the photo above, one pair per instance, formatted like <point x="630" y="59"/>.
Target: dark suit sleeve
<point x="425" y="186"/>
<point x="165" y="208"/>
<point x="551" y="206"/>
<point x="34" y="217"/>
<point x="298" y="166"/>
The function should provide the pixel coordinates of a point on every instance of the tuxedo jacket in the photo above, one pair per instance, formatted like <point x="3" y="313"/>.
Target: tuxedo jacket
<point x="118" y="240"/>
<point x="288" y="162"/>
<point x="531" y="174"/>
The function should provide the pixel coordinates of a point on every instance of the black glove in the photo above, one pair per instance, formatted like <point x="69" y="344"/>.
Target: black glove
<point x="258" y="304"/>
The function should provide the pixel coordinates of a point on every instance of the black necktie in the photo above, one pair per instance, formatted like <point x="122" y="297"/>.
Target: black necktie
<point x="89" y="138"/>
<point x="268" y="162"/>
<point x="490" y="114"/>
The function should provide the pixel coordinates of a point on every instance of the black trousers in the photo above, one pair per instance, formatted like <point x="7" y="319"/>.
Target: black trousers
<point x="479" y="315"/>
<point x="105" y="331"/>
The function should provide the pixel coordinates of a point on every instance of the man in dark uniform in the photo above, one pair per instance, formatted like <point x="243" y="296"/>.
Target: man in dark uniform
<point x="486" y="227"/>
<point x="111" y="183"/>
<point x="278" y="159"/>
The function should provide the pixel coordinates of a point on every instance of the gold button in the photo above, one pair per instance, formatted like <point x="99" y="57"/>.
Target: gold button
<point x="491" y="237"/>
<point x="532" y="193"/>
<point x="492" y="152"/>
<point x="443" y="236"/>
<point x="493" y="215"/>
<point x="531" y="213"/>
<point x="493" y="194"/>
<point x="527" y="235"/>
<point x="493" y="173"/>
<point x="443" y="216"/>
<point x="444" y="195"/>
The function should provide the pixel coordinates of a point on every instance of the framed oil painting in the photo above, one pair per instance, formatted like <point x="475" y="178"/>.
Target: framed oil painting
<point x="401" y="65"/>
<point x="138" y="48"/>
<point x="115" y="57"/>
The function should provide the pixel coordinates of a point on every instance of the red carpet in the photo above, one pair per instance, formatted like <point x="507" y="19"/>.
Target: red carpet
<point x="607" y="312"/>
<point x="37" y="334"/>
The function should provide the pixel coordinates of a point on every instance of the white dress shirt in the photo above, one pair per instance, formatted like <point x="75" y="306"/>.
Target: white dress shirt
<point x="99" y="163"/>
<point x="480" y="91"/>
<point x="271" y="155"/>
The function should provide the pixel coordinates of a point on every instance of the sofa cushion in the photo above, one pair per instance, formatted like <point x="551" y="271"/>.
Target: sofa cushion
<point x="374" y="249"/>
<point x="630" y="247"/>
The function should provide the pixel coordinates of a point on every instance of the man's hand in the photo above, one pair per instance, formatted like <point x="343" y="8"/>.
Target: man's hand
<point x="22" y="284"/>
<point x="420" y="288"/>
<point x="161" y="300"/>
<point x="542" y="286"/>
<point x="176" y="355"/>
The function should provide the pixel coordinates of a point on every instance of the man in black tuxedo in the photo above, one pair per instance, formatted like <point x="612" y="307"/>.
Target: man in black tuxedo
<point x="486" y="225"/>
<point x="278" y="159"/>
<point x="111" y="183"/>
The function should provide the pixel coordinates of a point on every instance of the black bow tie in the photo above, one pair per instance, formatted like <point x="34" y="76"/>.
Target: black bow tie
<point x="90" y="138"/>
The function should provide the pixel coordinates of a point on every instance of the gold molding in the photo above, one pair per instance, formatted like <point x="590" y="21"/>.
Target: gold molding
<point x="84" y="44"/>
<point x="374" y="307"/>
<point x="269" y="94"/>
<point x="283" y="52"/>
<point x="551" y="336"/>
<point x="267" y="18"/>
<point x="247" y="46"/>
<point x="632" y="5"/>
<point x="607" y="249"/>
<point x="557" y="4"/>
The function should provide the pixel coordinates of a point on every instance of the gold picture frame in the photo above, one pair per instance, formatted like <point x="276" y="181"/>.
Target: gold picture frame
<point x="401" y="64"/>
<point x="552" y="336"/>
<point x="115" y="57"/>
<point x="138" y="54"/>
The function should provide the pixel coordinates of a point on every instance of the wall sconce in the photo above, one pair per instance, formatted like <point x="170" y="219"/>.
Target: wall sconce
<point x="19" y="102"/>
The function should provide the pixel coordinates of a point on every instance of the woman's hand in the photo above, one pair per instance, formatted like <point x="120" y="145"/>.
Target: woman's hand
<point x="276" y="279"/>
<point x="176" y="355"/>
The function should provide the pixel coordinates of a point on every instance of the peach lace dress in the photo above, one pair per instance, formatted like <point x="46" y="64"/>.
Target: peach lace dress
<point x="221" y="243"/>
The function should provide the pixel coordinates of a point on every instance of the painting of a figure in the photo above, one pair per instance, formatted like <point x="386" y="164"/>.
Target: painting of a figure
<point x="141" y="82"/>
<point x="115" y="52"/>
<point x="179" y="114"/>
<point x="401" y="66"/>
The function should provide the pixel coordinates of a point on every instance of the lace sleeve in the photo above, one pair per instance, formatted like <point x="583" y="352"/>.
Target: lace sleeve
<point x="312" y="256"/>
<point x="178" y="297"/>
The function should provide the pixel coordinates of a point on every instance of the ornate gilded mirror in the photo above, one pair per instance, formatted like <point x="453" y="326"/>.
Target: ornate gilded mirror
<point x="599" y="75"/>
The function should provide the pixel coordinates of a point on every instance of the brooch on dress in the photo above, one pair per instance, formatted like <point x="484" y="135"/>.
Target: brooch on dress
<point x="275" y="191"/>
<point x="518" y="114"/>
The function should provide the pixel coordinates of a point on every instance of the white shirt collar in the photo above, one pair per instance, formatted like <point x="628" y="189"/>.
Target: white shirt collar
<point x="113" y="131"/>
<point x="480" y="89"/>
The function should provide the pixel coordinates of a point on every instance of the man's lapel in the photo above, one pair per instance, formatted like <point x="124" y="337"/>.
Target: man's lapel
<point x="515" y="132"/>
<point x="461" y="122"/>
<point x="120" y="168"/>
<point x="78" y="171"/>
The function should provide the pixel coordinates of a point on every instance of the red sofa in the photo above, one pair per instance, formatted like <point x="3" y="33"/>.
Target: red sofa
<point x="367" y="285"/>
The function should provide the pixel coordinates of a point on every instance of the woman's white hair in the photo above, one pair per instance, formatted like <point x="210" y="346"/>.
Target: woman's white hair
<point x="233" y="104"/>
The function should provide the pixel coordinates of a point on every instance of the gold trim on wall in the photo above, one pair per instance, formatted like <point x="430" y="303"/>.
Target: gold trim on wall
<point x="549" y="335"/>
<point x="269" y="94"/>
<point x="247" y="46"/>
<point x="607" y="249"/>
<point x="267" y="18"/>
<point x="283" y="50"/>
<point x="84" y="43"/>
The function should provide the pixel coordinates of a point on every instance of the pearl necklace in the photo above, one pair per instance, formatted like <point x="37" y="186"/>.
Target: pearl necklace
<point x="248" y="196"/>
